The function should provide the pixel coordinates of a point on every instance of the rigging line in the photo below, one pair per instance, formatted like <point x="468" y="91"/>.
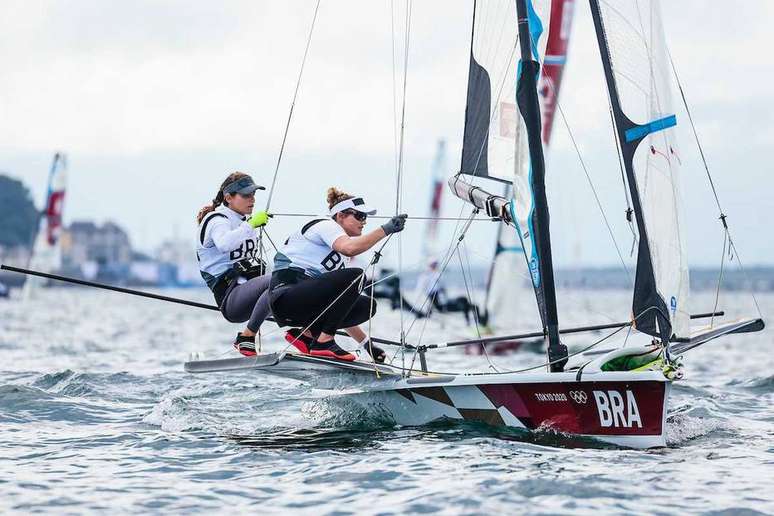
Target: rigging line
<point x="475" y="307"/>
<point x="447" y="259"/>
<point x="433" y="292"/>
<point x="709" y="175"/>
<point x="593" y="190"/>
<point x="695" y="133"/>
<point x="359" y="278"/>
<point x="394" y="89"/>
<point x="271" y="242"/>
<point x="732" y="247"/>
<point x="401" y="149"/>
<point x="720" y="278"/>
<point x="546" y="364"/>
<point x="619" y="155"/>
<point x="586" y="172"/>
<point x="478" y="219"/>
<point x="292" y="106"/>
<point x="579" y="352"/>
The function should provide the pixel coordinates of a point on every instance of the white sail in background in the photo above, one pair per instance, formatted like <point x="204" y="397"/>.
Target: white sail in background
<point x="430" y="244"/>
<point x="46" y="253"/>
<point x="428" y="280"/>
<point x="640" y="69"/>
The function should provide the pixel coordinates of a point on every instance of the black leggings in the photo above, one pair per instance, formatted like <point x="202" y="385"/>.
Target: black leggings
<point x="301" y="303"/>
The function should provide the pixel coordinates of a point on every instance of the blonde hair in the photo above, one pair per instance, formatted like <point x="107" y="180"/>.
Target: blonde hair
<point x="219" y="197"/>
<point x="335" y="196"/>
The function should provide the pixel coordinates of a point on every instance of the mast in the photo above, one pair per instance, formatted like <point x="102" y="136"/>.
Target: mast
<point x="537" y="227"/>
<point x="648" y="305"/>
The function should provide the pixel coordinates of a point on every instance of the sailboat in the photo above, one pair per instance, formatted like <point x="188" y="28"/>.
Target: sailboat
<point x="618" y="394"/>
<point x="46" y="253"/>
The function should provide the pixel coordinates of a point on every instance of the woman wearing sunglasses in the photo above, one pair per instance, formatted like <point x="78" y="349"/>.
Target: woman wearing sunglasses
<point x="312" y="286"/>
<point x="226" y="251"/>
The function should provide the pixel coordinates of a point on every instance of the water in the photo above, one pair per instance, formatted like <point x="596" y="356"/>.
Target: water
<point x="97" y="414"/>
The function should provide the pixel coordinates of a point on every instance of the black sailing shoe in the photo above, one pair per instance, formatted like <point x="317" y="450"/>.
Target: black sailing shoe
<point x="245" y="345"/>
<point x="330" y="350"/>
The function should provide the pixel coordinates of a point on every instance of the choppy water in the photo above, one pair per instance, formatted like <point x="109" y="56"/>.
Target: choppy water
<point x="97" y="414"/>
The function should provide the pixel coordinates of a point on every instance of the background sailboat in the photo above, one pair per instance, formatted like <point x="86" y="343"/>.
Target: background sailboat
<point x="46" y="251"/>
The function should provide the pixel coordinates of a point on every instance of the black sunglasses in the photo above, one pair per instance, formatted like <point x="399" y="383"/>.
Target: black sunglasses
<point x="359" y="215"/>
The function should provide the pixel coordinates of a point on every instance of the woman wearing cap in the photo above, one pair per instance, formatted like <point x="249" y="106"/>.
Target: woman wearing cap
<point x="313" y="288"/>
<point x="227" y="247"/>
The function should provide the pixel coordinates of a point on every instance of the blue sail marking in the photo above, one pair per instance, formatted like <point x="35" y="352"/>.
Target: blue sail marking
<point x="534" y="263"/>
<point x="535" y="29"/>
<point x="641" y="131"/>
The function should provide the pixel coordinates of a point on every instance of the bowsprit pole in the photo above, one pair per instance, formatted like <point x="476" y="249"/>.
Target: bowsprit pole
<point x="140" y="293"/>
<point x="108" y="287"/>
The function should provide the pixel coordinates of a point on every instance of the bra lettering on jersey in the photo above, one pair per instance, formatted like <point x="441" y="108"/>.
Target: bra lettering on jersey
<point x="333" y="261"/>
<point x="245" y="250"/>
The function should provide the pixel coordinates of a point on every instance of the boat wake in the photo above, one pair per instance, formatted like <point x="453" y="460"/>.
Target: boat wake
<point x="759" y="385"/>
<point x="683" y="428"/>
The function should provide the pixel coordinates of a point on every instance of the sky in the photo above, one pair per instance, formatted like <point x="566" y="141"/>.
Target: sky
<point x="155" y="102"/>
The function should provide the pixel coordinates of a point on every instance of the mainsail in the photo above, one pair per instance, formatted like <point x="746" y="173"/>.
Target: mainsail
<point x="500" y="302"/>
<point x="502" y="136"/>
<point x="634" y="58"/>
<point x="46" y="255"/>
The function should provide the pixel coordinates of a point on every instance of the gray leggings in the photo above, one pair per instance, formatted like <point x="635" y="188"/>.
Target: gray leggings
<point x="248" y="302"/>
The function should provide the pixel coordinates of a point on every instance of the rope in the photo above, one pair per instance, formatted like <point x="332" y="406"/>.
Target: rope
<point x="475" y="309"/>
<point x="720" y="279"/>
<point x="292" y="106"/>
<point x="593" y="188"/>
<point x="399" y="172"/>
<point x="479" y="219"/>
<point x="287" y="126"/>
<point x="722" y="217"/>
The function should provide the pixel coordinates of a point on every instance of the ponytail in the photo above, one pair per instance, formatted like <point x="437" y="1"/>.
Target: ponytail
<point x="220" y="198"/>
<point x="335" y="196"/>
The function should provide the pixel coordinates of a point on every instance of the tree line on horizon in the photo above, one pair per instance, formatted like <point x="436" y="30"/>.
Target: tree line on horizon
<point x="18" y="214"/>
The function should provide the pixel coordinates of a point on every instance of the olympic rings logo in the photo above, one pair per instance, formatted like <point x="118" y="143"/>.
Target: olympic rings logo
<point x="579" y="397"/>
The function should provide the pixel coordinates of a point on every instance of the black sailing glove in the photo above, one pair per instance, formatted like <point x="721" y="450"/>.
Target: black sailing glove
<point x="395" y="225"/>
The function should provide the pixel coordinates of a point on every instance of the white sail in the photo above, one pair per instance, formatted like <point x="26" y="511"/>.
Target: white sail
<point x="491" y="115"/>
<point x="638" y="58"/>
<point x="507" y="266"/>
<point x="506" y="271"/>
<point x="429" y="279"/>
<point x="46" y="252"/>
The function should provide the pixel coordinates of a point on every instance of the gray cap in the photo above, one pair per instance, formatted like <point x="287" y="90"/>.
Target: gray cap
<point x="243" y="185"/>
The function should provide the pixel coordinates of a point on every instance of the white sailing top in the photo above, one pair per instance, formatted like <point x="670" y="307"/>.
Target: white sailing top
<point x="224" y="238"/>
<point x="311" y="249"/>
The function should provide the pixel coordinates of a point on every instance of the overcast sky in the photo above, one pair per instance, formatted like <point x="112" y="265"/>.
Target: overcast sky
<point x="155" y="102"/>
